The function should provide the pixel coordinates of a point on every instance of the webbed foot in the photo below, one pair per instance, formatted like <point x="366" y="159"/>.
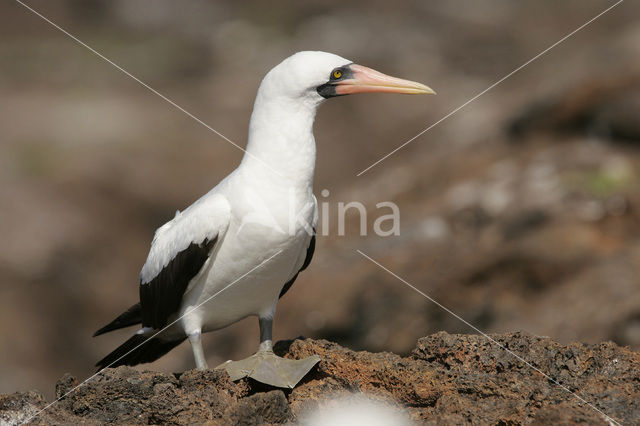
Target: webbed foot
<point x="266" y="367"/>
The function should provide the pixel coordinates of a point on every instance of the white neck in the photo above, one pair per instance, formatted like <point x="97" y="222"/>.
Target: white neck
<point x="281" y="145"/>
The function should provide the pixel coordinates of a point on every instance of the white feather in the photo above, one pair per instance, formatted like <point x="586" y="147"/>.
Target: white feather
<point x="207" y="218"/>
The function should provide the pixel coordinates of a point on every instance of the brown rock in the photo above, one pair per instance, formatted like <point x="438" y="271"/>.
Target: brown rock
<point x="447" y="379"/>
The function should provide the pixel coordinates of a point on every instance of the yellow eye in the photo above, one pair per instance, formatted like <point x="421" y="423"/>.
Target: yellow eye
<point x="337" y="74"/>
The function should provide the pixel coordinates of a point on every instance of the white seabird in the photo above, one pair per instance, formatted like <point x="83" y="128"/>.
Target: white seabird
<point x="264" y="210"/>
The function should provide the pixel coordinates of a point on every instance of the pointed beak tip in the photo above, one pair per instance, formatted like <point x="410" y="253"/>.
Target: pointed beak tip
<point x="426" y="90"/>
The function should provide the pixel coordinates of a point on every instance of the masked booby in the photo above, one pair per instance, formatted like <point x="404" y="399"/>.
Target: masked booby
<point x="238" y="249"/>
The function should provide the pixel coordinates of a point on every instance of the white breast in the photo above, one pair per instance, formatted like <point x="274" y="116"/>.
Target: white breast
<point x="264" y="226"/>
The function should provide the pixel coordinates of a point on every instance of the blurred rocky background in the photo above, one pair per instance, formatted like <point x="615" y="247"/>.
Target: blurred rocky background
<point x="519" y="212"/>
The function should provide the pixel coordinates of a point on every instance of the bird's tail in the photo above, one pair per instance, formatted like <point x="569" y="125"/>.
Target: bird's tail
<point x="139" y="349"/>
<point x="131" y="316"/>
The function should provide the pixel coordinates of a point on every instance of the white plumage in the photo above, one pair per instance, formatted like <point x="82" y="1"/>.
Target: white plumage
<point x="265" y="209"/>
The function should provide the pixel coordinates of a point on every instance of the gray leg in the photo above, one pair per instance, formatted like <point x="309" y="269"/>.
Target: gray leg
<point x="266" y="326"/>
<point x="198" y="353"/>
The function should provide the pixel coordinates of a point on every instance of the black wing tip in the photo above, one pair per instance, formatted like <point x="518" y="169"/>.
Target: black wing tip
<point x="131" y="316"/>
<point x="138" y="349"/>
<point x="123" y="354"/>
<point x="101" y="331"/>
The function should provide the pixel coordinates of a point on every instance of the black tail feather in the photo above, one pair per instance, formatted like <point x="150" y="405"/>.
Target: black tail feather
<point x="130" y="354"/>
<point x="131" y="316"/>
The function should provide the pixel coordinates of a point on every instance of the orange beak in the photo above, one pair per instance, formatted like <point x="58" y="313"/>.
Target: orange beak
<point x="366" y="80"/>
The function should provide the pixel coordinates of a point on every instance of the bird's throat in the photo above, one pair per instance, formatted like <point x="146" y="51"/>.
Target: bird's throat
<point x="281" y="145"/>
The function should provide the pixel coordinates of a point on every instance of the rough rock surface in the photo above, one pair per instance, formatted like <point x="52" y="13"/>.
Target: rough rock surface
<point x="447" y="379"/>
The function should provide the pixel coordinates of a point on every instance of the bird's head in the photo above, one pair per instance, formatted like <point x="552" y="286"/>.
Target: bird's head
<point x="316" y="76"/>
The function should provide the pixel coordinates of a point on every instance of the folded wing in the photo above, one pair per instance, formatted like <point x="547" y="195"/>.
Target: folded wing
<point x="180" y="250"/>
